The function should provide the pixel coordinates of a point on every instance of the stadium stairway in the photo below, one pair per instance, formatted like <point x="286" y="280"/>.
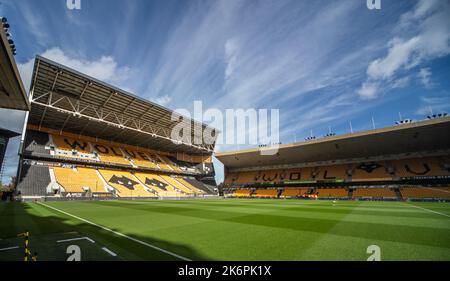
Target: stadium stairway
<point x="398" y="193"/>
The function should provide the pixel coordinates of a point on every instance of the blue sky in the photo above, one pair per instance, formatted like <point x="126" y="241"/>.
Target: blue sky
<point x="322" y="63"/>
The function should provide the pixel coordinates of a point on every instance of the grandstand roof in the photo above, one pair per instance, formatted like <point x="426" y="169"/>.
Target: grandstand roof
<point x="66" y="100"/>
<point x="430" y="135"/>
<point x="12" y="92"/>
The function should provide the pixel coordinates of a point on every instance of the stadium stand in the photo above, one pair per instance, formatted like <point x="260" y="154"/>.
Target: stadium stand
<point x="242" y="193"/>
<point x="175" y="184"/>
<point x="266" y="193"/>
<point x="420" y="167"/>
<point x="65" y="143"/>
<point x="370" y="171"/>
<point x="140" y="159"/>
<point x="374" y="193"/>
<point x="369" y="164"/>
<point x="332" y="193"/>
<point x="425" y="192"/>
<point x="79" y="179"/>
<point x="34" y="180"/>
<point x="152" y="182"/>
<point x="193" y="189"/>
<point x="110" y="154"/>
<point x="203" y="186"/>
<point x="124" y="183"/>
<point x="294" y="192"/>
<point x="37" y="142"/>
<point x="333" y="172"/>
<point x="113" y="144"/>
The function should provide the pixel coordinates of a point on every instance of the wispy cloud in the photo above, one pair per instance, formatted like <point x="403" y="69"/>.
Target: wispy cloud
<point x="425" y="77"/>
<point x="435" y="104"/>
<point x="322" y="63"/>
<point x="428" y="40"/>
<point x="104" y="68"/>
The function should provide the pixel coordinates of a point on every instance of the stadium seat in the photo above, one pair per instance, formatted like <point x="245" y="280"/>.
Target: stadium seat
<point x="79" y="179"/>
<point x="335" y="172"/>
<point x="266" y="193"/>
<point x="110" y="154"/>
<point x="176" y="184"/>
<point x="152" y="182"/>
<point x="374" y="193"/>
<point x="419" y="167"/>
<point x="242" y="193"/>
<point x="189" y="185"/>
<point x="203" y="186"/>
<point x="170" y="165"/>
<point x="125" y="184"/>
<point x="65" y="143"/>
<point x="294" y="192"/>
<point x="332" y="192"/>
<point x="425" y="192"/>
<point x="34" y="180"/>
<point x="140" y="158"/>
<point x="370" y="171"/>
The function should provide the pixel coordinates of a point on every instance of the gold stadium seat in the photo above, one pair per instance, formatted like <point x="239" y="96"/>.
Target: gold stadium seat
<point x="78" y="180"/>
<point x="246" y="177"/>
<point x="125" y="184"/>
<point x="266" y="193"/>
<point x="176" y="184"/>
<point x="151" y="181"/>
<point x="370" y="171"/>
<point x="334" y="172"/>
<point x="110" y="154"/>
<point x="162" y="185"/>
<point x="190" y="186"/>
<point x="65" y="143"/>
<point x="425" y="192"/>
<point x="374" y="192"/>
<point x="332" y="192"/>
<point x="242" y="193"/>
<point x="293" y="192"/>
<point x="169" y="164"/>
<point x="140" y="158"/>
<point x="419" y="167"/>
<point x="267" y="176"/>
<point x="159" y="162"/>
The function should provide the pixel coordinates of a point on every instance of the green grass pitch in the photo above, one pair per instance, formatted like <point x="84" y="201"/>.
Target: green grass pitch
<point x="241" y="229"/>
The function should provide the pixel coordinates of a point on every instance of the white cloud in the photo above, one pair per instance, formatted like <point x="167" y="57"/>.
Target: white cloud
<point x="104" y="68"/>
<point x="435" y="104"/>
<point x="35" y="24"/>
<point x="425" y="77"/>
<point x="163" y="100"/>
<point x="399" y="55"/>
<point x="429" y="29"/>
<point x="231" y="49"/>
<point x="368" y="91"/>
<point x="401" y="82"/>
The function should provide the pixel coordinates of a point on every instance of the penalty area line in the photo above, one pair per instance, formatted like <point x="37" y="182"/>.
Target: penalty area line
<point x="118" y="233"/>
<point x="428" y="210"/>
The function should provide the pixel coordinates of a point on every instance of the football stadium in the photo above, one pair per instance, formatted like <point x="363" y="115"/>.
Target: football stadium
<point x="100" y="178"/>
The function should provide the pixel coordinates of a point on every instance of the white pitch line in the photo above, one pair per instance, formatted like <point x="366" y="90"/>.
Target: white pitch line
<point x="10" y="248"/>
<point x="119" y="234"/>
<point x="428" y="210"/>
<point x="109" y="251"/>
<point x="75" y="239"/>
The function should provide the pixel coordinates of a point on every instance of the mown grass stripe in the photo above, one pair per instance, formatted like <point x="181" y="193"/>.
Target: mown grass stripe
<point x="119" y="233"/>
